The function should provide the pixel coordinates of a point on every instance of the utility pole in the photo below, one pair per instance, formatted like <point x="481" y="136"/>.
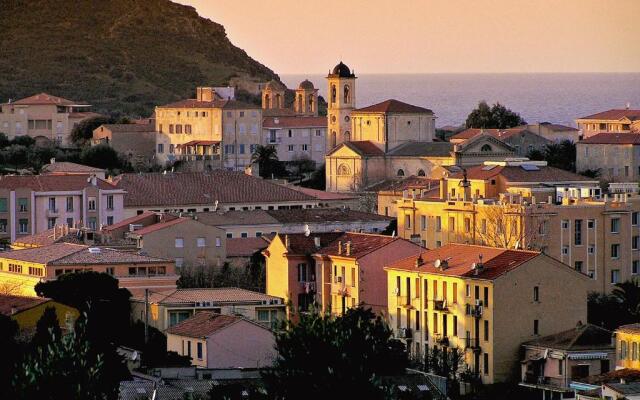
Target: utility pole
<point x="146" y="316"/>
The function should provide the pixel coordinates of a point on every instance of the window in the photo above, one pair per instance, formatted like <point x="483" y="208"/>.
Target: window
<point x="444" y="325"/>
<point x="452" y="224"/>
<point x="536" y="327"/>
<point x="179" y="243"/>
<point x="577" y="227"/>
<point x="438" y="224"/>
<point x="455" y="325"/>
<point x="592" y="249"/>
<point x="22" y="205"/>
<point x="468" y="290"/>
<point x="467" y="225"/>
<point x="290" y="133"/>
<point x="486" y="330"/>
<point x="615" y="276"/>
<point x="635" y="265"/>
<point x="51" y="222"/>
<point x="258" y="234"/>
<point x="91" y="204"/>
<point x="199" y="350"/>
<point x="486" y="361"/>
<point x="634" y="218"/>
<point x="3" y="204"/>
<point x="623" y="350"/>
<point x="536" y="293"/>
<point x="178" y="128"/>
<point x="407" y="221"/>
<point x="483" y="225"/>
<point x="615" y="225"/>
<point x="634" y="351"/>
<point x="179" y="262"/>
<point x="455" y="293"/>
<point x="305" y="147"/>
<point x="565" y="224"/>
<point x="230" y="235"/>
<point x="93" y="223"/>
<point x="160" y="148"/>
<point x="290" y="148"/>
<point x="3" y="225"/>
<point x="565" y="250"/>
<point x="635" y="241"/>
<point x="69" y="204"/>
<point x="218" y="241"/>
<point x="615" y="251"/>
<point x="244" y="234"/>
<point x="23" y="226"/>
<point x="423" y="222"/>
<point x="110" y="202"/>
<point x="200" y="242"/>
<point x="110" y="220"/>
<point x="486" y="296"/>
<point x="400" y="172"/>
<point x="417" y="320"/>
<point x="578" y="266"/>
<point x="560" y="367"/>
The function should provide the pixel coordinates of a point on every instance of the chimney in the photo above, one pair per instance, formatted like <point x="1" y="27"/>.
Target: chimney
<point x="443" y="188"/>
<point x="419" y="261"/>
<point x="316" y="242"/>
<point x="348" y="250"/>
<point x="340" y="247"/>
<point x="286" y="241"/>
<point x="205" y="94"/>
<point x="94" y="180"/>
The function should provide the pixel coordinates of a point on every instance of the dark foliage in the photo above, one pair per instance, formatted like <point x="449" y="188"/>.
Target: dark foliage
<point x="11" y="354"/>
<point x="105" y="157"/>
<point x="267" y="159"/>
<point x="561" y="155"/>
<point x="47" y="328"/>
<point x="82" y="133"/>
<point x="496" y="116"/>
<point x="317" y="179"/>
<point x="620" y="307"/>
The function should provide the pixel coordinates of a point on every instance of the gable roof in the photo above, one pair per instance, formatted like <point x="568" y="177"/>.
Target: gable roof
<point x="613" y="138"/>
<point x="615" y="114"/>
<point x="223" y="295"/>
<point x="56" y="234"/>
<point x="558" y="127"/>
<point x="461" y="257"/>
<point x="408" y="183"/>
<point x="203" y="324"/>
<point x="580" y="338"/>
<point x="131" y="220"/>
<point x="321" y="194"/>
<point x="135" y="127"/>
<point x="44" y="99"/>
<point x="515" y="173"/>
<point x="361" y="244"/>
<point x="58" y="183"/>
<point x="165" y="223"/>
<point x="246" y="247"/>
<point x="422" y="149"/>
<point x="10" y="303"/>
<point x="237" y="217"/>
<point x="69" y="167"/>
<point x="393" y="106"/>
<point x="180" y="188"/>
<point x="319" y="215"/>
<point x="294" y="122"/>
<point x="497" y="133"/>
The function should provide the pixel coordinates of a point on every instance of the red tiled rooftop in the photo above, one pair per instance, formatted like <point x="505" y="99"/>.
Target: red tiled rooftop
<point x="364" y="147"/>
<point x="51" y="182"/>
<point x="615" y="114"/>
<point x="10" y="303"/>
<point x="320" y="194"/>
<point x="497" y="133"/>
<point x="44" y="99"/>
<point x="613" y="138"/>
<point x="461" y="257"/>
<point x="361" y="244"/>
<point x="134" y="127"/>
<point x="226" y="104"/>
<point x="131" y="220"/>
<point x="56" y="234"/>
<point x="69" y="167"/>
<point x="245" y="247"/>
<point x="515" y="173"/>
<point x="159" y="226"/>
<point x="216" y="296"/>
<point x="393" y="106"/>
<point x="203" y="324"/>
<point x="294" y="122"/>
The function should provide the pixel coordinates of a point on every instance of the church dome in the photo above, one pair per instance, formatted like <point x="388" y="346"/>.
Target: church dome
<point x="306" y="85"/>
<point x="342" y="70"/>
<point x="274" y="85"/>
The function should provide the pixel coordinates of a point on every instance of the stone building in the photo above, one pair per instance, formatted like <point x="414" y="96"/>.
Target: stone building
<point x="616" y="156"/>
<point x="611" y="121"/>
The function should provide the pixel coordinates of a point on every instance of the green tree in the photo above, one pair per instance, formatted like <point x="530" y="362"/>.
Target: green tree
<point x="102" y="156"/>
<point x="82" y="133"/>
<point x="494" y="117"/>
<point x="16" y="155"/>
<point x="561" y="155"/>
<point x="10" y="354"/>
<point x="70" y="367"/>
<point x="317" y="179"/>
<point x="47" y="327"/>
<point x="4" y="140"/>
<point x="348" y="352"/>
<point x="267" y="159"/>
<point x="24" y="140"/>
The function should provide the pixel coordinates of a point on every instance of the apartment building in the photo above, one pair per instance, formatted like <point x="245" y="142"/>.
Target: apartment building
<point x="46" y="118"/>
<point x="555" y="132"/>
<point x="616" y="156"/>
<point x="136" y="141"/>
<point x="21" y="270"/>
<point x="627" y="339"/>
<point x="170" y="307"/>
<point x="206" y="191"/>
<point x="209" y="131"/>
<point x="296" y="137"/>
<point x="333" y="271"/>
<point x="484" y="301"/>
<point x="35" y="203"/>
<point x="392" y="190"/>
<point x="611" y="121"/>
<point x="533" y="206"/>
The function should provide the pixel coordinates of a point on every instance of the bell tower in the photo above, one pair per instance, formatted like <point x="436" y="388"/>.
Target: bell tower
<point x="273" y="95"/>
<point x="306" y="101"/>
<point x="341" y="101"/>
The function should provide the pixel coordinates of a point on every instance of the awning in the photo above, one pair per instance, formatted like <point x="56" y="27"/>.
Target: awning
<point x="588" y="356"/>
<point x="199" y="143"/>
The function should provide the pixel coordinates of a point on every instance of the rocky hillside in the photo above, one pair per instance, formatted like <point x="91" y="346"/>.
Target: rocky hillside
<point x="122" y="56"/>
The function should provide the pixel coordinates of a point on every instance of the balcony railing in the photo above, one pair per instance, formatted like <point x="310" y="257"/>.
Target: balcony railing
<point x="308" y="287"/>
<point x="52" y="212"/>
<point x="404" y="333"/>
<point x="472" y="344"/>
<point x="442" y="340"/>
<point x="473" y="310"/>
<point x="440" y="305"/>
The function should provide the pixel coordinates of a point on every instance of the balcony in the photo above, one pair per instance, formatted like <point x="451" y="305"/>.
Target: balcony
<point x="53" y="212"/>
<point x="274" y="140"/>
<point x="442" y="340"/>
<point x="474" y="310"/>
<point x="472" y="344"/>
<point x="308" y="287"/>
<point x="404" y="333"/>
<point x="404" y="301"/>
<point x="441" y="305"/>
<point x="198" y="157"/>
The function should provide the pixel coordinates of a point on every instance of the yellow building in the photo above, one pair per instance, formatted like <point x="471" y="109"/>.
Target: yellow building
<point x="611" y="121"/>
<point x="484" y="301"/>
<point x="27" y="311"/>
<point x="522" y="204"/>
<point x="627" y="344"/>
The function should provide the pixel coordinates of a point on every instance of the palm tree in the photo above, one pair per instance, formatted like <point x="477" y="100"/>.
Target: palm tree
<point x="267" y="159"/>
<point x="628" y="294"/>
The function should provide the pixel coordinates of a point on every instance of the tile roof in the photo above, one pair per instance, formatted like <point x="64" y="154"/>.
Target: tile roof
<point x="203" y="324"/>
<point x="278" y="112"/>
<point x="314" y="215"/>
<point x="159" y="226"/>
<point x="580" y="338"/>
<point x="246" y="247"/>
<point x="69" y="167"/>
<point x="74" y="254"/>
<point x="393" y="106"/>
<point x="364" y="148"/>
<point x="136" y="127"/>
<point x="422" y="149"/>
<point x="558" y="127"/>
<point x="300" y="244"/>
<point x="9" y="303"/>
<point x="224" y="104"/>
<point x="361" y="244"/>
<point x="130" y="220"/>
<point x="294" y="122"/>
<point x="86" y="114"/>
<point x="497" y="133"/>
<point x="237" y="217"/>
<point x="612" y="138"/>
<point x="628" y="374"/>
<point x="215" y="295"/>
<point x="321" y="194"/>
<point x="44" y="99"/>
<point x="181" y="188"/>
<point x="615" y="114"/>
<point x="627" y="388"/>
<point x="515" y="173"/>
<point x="50" y="236"/>
<point x="408" y="183"/>
<point x="461" y="257"/>
<point x="630" y="328"/>
<point x="45" y="183"/>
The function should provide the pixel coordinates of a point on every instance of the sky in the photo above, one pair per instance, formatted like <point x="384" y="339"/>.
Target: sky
<point x="433" y="36"/>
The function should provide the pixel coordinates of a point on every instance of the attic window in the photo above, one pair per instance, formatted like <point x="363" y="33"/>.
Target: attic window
<point x="408" y="122"/>
<point x="485" y="148"/>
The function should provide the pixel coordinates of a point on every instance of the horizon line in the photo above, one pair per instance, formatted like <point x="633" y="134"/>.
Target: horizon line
<point x="472" y="73"/>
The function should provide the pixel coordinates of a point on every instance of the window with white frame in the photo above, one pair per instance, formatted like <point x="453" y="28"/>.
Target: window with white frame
<point x="200" y="242"/>
<point x="179" y="243"/>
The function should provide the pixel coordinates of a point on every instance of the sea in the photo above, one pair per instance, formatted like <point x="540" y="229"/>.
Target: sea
<point x="548" y="97"/>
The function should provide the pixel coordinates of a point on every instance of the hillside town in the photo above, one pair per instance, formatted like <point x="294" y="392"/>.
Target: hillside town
<point x="494" y="258"/>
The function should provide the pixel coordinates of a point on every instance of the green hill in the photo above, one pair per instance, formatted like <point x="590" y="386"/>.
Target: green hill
<point x="122" y="56"/>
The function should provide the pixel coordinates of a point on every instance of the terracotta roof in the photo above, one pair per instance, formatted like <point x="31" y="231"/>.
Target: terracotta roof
<point x="225" y="104"/>
<point x="515" y="173"/>
<point x="181" y="188"/>
<point x="497" y="133"/>
<point x="127" y="221"/>
<point x="628" y="374"/>
<point x="615" y="114"/>
<point x="237" y="217"/>
<point x="9" y="303"/>
<point x="73" y="254"/>
<point x="558" y="127"/>
<point x="246" y="247"/>
<point x="422" y="149"/>
<point x="69" y="167"/>
<point x="361" y="244"/>
<point x="43" y="183"/>
<point x="159" y="226"/>
<point x="408" y="183"/>
<point x="321" y="194"/>
<point x="215" y="295"/>
<point x="393" y="106"/>
<point x="630" y="328"/>
<point x="613" y="138"/>
<point x="314" y="215"/>
<point x="203" y="324"/>
<point x="304" y="245"/>
<point x="278" y="112"/>
<point x="44" y="99"/>
<point x="580" y="338"/>
<point x="135" y="127"/>
<point x="364" y="148"/>
<point x="46" y="238"/>
<point x="461" y="257"/>
<point x="294" y="122"/>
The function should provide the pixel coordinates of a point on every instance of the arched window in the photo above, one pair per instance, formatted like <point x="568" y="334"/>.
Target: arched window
<point x="347" y="136"/>
<point x="485" y="147"/>
<point x="333" y="93"/>
<point x="421" y="172"/>
<point x="278" y="103"/>
<point x="300" y="109"/>
<point x="347" y="94"/>
<point x="310" y="105"/>
<point x="333" y="139"/>
<point x="400" y="172"/>
<point x="267" y="101"/>
<point x="343" y="169"/>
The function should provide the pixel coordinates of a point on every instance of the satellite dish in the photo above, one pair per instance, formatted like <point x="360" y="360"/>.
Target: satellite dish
<point x="437" y="263"/>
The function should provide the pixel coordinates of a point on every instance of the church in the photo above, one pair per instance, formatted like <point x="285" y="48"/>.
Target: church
<point x="390" y="140"/>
